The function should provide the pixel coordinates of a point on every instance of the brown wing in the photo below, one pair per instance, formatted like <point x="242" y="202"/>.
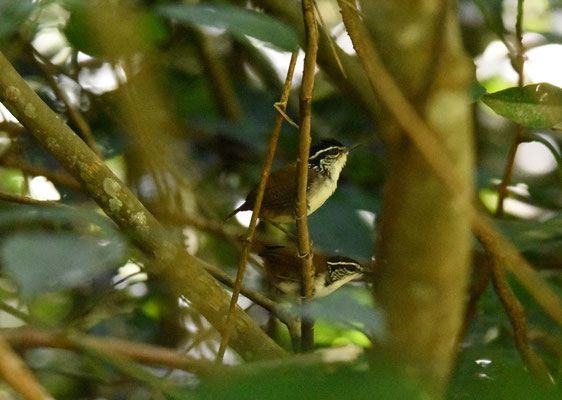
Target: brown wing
<point x="287" y="265"/>
<point x="280" y="190"/>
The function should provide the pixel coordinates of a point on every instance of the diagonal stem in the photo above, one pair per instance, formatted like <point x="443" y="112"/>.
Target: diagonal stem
<point x="256" y="211"/>
<point x="305" y="247"/>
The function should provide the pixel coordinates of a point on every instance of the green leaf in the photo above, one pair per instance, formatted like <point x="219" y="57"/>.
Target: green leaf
<point x="237" y="21"/>
<point x="477" y="91"/>
<point x="56" y="248"/>
<point x="533" y="106"/>
<point x="492" y="10"/>
<point x="13" y="14"/>
<point x="46" y="261"/>
<point x="85" y="18"/>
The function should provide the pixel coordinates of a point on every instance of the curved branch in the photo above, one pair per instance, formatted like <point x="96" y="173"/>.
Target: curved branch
<point x="142" y="352"/>
<point x="15" y="372"/>
<point x="184" y="273"/>
<point x="257" y="207"/>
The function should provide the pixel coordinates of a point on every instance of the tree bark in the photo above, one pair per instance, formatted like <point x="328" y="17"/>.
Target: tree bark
<point x="184" y="273"/>
<point x="423" y="254"/>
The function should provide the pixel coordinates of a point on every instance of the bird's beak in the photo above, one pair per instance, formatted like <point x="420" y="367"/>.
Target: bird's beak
<point x="354" y="147"/>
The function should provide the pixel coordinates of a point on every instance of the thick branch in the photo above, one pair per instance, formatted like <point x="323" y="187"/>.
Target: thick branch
<point x="423" y="138"/>
<point x="184" y="273"/>
<point x="427" y="197"/>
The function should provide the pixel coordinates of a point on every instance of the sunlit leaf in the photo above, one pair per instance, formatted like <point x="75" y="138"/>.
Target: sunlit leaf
<point x="238" y="21"/>
<point x="533" y="106"/>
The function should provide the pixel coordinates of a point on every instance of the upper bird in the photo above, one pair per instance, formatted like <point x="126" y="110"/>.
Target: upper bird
<point x="325" y="162"/>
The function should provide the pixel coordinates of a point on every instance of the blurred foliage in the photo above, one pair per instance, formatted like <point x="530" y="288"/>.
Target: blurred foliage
<point x="68" y="268"/>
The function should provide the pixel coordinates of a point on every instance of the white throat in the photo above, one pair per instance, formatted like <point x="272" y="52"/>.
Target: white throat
<point x="324" y="186"/>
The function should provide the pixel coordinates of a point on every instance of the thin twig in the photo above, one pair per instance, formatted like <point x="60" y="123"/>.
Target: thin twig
<point x="219" y="81"/>
<point x="183" y="273"/>
<point x="305" y="247"/>
<point x="57" y="177"/>
<point x="73" y="113"/>
<point x="255" y="212"/>
<point x="412" y="124"/>
<point x="516" y="314"/>
<point x="518" y="61"/>
<point x="14" y="371"/>
<point x="435" y="50"/>
<point x="146" y="353"/>
<point x="280" y="109"/>
<point x="275" y="308"/>
<point x="330" y="40"/>
<point x="14" y="198"/>
<point x="505" y="252"/>
<point x="14" y="312"/>
<point x="482" y="272"/>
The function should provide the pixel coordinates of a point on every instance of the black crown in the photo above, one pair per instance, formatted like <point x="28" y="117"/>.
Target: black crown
<point x="324" y="144"/>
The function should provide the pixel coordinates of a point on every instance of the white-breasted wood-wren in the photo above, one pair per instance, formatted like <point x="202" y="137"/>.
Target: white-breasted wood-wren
<point x="283" y="269"/>
<point x="325" y="162"/>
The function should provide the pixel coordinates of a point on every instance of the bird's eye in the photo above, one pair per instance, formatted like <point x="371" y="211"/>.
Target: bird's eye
<point x="351" y="268"/>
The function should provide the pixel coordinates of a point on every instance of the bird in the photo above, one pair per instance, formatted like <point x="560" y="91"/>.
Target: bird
<point x="325" y="163"/>
<point x="282" y="267"/>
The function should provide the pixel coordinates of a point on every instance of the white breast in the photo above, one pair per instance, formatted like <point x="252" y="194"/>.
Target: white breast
<point x="322" y="290"/>
<point x="324" y="187"/>
<point x="319" y="192"/>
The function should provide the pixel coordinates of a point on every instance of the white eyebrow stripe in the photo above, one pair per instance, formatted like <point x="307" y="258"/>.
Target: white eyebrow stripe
<point x="343" y="263"/>
<point x="324" y="150"/>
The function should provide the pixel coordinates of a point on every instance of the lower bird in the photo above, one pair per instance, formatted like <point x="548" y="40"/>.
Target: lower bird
<point x="283" y="269"/>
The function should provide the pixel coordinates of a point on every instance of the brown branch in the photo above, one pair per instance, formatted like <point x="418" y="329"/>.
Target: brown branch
<point x="505" y="253"/>
<point x="14" y="371"/>
<point x="412" y="124"/>
<point x="304" y="244"/>
<point x="282" y="313"/>
<point x="14" y="198"/>
<point x="57" y="177"/>
<point x="436" y="47"/>
<point x="216" y="228"/>
<point x="146" y="353"/>
<point x="516" y="314"/>
<point x="256" y="210"/>
<point x="73" y="113"/>
<point x="218" y="78"/>
<point x="482" y="272"/>
<point x="517" y="54"/>
<point x="182" y="272"/>
<point x="550" y="342"/>
<point x="431" y="150"/>
<point x="353" y="83"/>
